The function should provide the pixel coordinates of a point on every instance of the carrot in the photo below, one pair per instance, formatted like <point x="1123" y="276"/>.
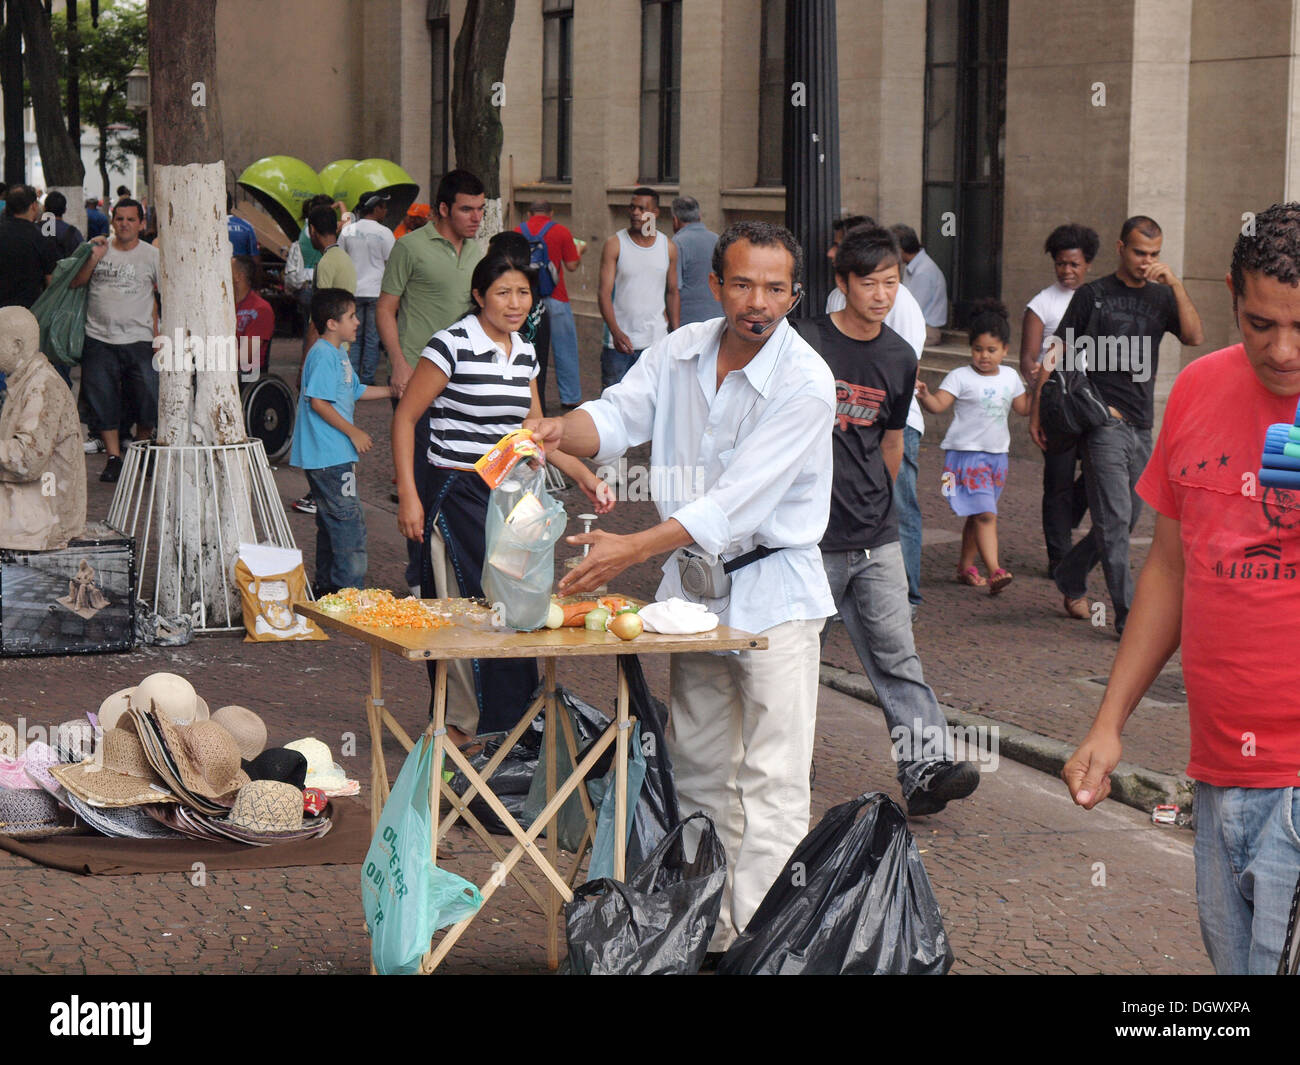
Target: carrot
<point x="613" y="603"/>
<point x="576" y="613"/>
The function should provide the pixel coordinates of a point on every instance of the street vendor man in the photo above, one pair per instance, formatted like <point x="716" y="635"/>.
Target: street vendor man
<point x="738" y="413"/>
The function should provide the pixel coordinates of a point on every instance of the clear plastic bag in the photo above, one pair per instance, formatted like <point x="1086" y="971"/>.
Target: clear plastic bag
<point x="523" y="524"/>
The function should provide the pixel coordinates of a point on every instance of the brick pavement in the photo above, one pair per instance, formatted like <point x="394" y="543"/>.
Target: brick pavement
<point x="1013" y="868"/>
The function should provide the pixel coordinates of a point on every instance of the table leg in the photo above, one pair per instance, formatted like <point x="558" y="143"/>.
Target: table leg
<point x="620" y="778"/>
<point x="374" y="718"/>
<point x="439" y="745"/>
<point x="553" y="712"/>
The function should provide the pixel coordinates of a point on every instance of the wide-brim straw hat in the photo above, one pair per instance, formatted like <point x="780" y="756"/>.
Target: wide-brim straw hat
<point x="119" y="775"/>
<point x="322" y="771"/>
<point x="173" y="696"/>
<point x="247" y="727"/>
<point x="267" y="806"/>
<point x="121" y="822"/>
<point x="205" y="755"/>
<point x="30" y="813"/>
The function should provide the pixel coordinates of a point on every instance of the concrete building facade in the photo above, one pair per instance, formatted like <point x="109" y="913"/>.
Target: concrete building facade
<point x="982" y="123"/>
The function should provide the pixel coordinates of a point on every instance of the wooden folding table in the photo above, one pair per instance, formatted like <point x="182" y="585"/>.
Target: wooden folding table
<point x="459" y="642"/>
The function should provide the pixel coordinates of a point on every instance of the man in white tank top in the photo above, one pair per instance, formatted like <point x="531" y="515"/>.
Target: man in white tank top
<point x="638" y="288"/>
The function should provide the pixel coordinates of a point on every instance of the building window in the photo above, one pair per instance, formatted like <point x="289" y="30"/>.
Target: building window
<point x="965" y="140"/>
<point x="771" y="93"/>
<point x="661" y="89"/>
<point x="440" y="51"/>
<point x="557" y="89"/>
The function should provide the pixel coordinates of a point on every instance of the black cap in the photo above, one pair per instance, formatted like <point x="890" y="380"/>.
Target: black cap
<point x="278" y="763"/>
<point x="370" y="199"/>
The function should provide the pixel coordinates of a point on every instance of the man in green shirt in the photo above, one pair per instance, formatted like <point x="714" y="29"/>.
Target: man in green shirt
<point x="426" y="289"/>
<point x="426" y="281"/>
<point x="335" y="268"/>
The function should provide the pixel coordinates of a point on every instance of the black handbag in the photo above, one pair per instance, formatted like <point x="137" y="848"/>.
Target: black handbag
<point x="1068" y="404"/>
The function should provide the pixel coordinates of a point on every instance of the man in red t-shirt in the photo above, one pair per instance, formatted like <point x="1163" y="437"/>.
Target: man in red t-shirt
<point x="1223" y="580"/>
<point x="564" y="254"/>
<point x="253" y="315"/>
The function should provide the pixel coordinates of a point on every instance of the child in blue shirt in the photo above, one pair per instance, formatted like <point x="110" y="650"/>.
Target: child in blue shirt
<point x="326" y="444"/>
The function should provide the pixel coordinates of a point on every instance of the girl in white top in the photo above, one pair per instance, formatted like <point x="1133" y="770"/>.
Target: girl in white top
<point x="975" y="449"/>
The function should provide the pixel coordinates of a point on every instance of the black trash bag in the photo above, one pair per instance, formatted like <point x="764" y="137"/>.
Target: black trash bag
<point x="510" y="782"/>
<point x="588" y="725"/>
<point x="854" y="898"/>
<point x="659" y="922"/>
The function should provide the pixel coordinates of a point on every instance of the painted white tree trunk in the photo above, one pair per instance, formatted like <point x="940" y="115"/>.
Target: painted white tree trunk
<point x="76" y="212"/>
<point x="493" y="221"/>
<point x="198" y="395"/>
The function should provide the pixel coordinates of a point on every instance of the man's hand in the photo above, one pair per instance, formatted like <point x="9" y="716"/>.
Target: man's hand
<point x="361" y="440"/>
<point x="1160" y="272"/>
<point x="401" y="376"/>
<point x="1087" y="773"/>
<point x="621" y="342"/>
<point x="610" y="555"/>
<point x="1036" y="432"/>
<point x="547" y="432"/>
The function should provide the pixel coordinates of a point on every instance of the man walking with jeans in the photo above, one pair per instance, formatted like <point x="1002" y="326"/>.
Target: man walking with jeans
<point x="1124" y="316"/>
<point x="875" y="377"/>
<point x="1221" y="582"/>
<point x="368" y="243"/>
<point x="638" y="288"/>
<point x="565" y="255"/>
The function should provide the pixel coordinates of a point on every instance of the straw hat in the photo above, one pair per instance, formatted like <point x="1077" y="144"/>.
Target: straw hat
<point x="322" y="771"/>
<point x="119" y="776"/>
<point x="27" y="813"/>
<point x="173" y="696"/>
<point x="121" y="822"/>
<point x="205" y="754"/>
<point x="267" y="806"/>
<point x="248" y="729"/>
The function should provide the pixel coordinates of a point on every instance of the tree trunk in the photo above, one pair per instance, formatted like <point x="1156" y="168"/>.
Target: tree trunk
<point x="478" y="94"/>
<point x="11" y="87"/>
<point x="60" y="155"/>
<point x="198" y="399"/>
<point x="101" y="125"/>
<point x="74" y="74"/>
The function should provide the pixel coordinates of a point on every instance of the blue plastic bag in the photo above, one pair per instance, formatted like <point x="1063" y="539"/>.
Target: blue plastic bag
<point x="405" y="896"/>
<point x="602" y="850"/>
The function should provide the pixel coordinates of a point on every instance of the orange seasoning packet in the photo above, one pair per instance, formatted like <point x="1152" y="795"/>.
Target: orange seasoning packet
<point x="505" y="455"/>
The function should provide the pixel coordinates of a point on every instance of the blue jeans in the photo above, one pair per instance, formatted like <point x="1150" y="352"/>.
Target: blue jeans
<point x="364" y="352"/>
<point x="1114" y="456"/>
<point x="614" y="365"/>
<point x="564" y="344"/>
<point x="870" y="590"/>
<point x="909" y="513"/>
<point x="340" y="528"/>
<point x="1247" y="863"/>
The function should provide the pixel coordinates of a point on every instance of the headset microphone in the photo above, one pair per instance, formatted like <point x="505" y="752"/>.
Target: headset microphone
<point x="759" y="329"/>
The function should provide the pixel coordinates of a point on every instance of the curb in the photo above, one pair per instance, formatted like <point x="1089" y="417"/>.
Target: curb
<point x="1133" y="785"/>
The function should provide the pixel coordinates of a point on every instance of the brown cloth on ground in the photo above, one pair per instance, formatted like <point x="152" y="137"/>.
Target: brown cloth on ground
<point x="344" y="844"/>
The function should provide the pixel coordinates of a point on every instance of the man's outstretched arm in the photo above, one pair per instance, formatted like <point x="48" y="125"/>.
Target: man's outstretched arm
<point x="1151" y="636"/>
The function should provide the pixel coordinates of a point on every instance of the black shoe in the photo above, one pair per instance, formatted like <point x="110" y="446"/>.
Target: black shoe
<point x="941" y="783"/>
<point x="112" y="469"/>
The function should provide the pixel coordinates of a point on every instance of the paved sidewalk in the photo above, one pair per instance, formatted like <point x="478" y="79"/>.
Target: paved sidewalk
<point x="1015" y="868"/>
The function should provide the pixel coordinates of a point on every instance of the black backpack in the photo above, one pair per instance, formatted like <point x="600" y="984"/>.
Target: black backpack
<point x="1069" y="404"/>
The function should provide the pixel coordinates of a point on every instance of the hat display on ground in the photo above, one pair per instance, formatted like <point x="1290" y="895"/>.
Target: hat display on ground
<point x="247" y="727"/>
<point x="120" y="775"/>
<point x="74" y="741"/>
<point x="172" y="696"/>
<point x="199" y="762"/>
<point x="267" y="806"/>
<point x="322" y="771"/>
<point x="122" y="822"/>
<point x="39" y="759"/>
<point x="279" y="763"/>
<point x="27" y="813"/>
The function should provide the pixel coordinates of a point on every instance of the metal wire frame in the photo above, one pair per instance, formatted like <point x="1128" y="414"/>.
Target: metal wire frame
<point x="245" y="492"/>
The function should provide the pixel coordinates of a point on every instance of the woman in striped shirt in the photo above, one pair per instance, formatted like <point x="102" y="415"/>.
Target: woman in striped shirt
<point x="479" y="378"/>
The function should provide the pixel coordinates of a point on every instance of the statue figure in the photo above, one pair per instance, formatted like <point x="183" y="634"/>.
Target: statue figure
<point x="42" y="463"/>
<point x="84" y="597"/>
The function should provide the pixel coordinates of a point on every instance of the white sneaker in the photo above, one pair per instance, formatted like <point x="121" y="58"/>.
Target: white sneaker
<point x="93" y="445"/>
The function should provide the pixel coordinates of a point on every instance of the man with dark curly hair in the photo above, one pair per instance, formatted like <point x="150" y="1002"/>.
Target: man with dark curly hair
<point x="1221" y="582"/>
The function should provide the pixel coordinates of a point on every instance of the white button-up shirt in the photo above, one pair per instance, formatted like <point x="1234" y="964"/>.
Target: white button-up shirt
<point x="743" y="465"/>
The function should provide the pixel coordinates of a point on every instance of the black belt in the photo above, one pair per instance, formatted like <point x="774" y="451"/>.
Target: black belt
<point x="740" y="561"/>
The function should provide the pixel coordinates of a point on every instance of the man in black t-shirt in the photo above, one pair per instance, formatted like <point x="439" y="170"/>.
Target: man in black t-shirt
<point x="26" y="258"/>
<point x="1113" y="327"/>
<point x="875" y="377"/>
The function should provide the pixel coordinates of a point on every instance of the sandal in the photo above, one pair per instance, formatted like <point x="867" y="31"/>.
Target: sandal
<point x="970" y="575"/>
<point x="1078" y="608"/>
<point x="1000" y="579"/>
